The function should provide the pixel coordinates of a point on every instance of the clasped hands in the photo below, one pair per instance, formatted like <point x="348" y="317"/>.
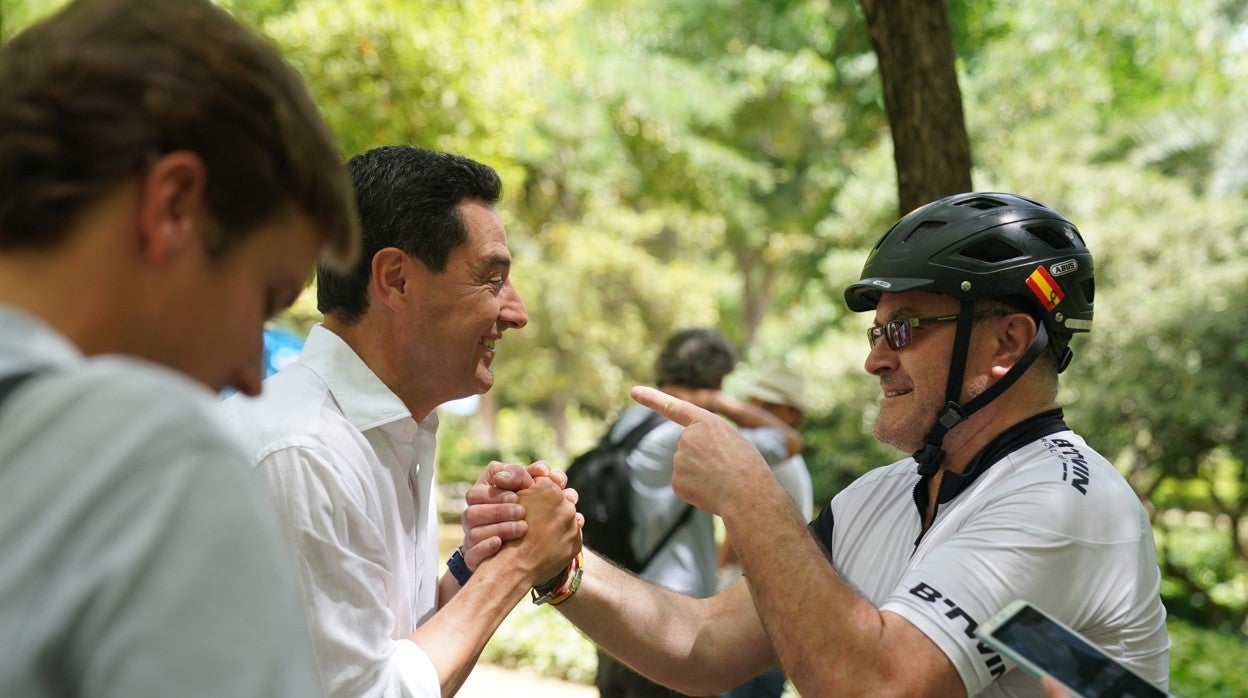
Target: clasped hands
<point x="714" y="468"/>
<point x="528" y="510"/>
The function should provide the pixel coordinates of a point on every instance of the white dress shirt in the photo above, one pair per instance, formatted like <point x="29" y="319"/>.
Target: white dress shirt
<point x="138" y="556"/>
<point x="350" y="475"/>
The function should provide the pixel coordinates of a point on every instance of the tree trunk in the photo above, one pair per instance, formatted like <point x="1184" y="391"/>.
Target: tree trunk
<point x="484" y="434"/>
<point x="557" y="416"/>
<point x="758" y="279"/>
<point x="914" y="46"/>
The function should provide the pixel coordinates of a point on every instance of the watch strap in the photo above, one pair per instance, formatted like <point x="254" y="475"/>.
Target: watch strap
<point x="458" y="567"/>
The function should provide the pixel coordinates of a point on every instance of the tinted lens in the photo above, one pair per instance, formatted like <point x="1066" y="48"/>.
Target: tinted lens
<point x="874" y="333"/>
<point x="897" y="333"/>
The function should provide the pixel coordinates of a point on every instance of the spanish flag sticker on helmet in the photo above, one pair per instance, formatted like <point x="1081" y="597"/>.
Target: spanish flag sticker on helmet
<point x="1046" y="289"/>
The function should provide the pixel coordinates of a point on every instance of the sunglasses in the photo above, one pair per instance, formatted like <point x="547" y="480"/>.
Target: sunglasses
<point x="899" y="333"/>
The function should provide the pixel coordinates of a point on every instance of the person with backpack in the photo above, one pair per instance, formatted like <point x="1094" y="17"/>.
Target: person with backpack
<point x="674" y="543"/>
<point x="974" y="301"/>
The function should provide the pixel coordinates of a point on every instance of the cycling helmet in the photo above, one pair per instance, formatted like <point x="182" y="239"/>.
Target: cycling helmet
<point x="987" y="245"/>
<point x="979" y="246"/>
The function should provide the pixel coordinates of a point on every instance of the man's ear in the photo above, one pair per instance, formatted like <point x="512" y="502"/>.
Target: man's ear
<point x="389" y="281"/>
<point x="171" y="204"/>
<point x="1014" y="336"/>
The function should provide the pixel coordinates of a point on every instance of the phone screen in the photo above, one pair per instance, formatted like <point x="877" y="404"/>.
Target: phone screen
<point x="1083" y="667"/>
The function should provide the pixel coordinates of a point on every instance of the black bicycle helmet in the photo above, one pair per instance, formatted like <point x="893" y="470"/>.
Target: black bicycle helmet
<point x="978" y="246"/>
<point x="987" y="245"/>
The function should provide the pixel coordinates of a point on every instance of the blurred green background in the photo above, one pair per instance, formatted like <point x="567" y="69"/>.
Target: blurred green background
<point x="671" y="163"/>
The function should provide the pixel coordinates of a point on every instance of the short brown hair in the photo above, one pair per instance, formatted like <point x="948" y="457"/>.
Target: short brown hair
<point x="99" y="91"/>
<point x="697" y="357"/>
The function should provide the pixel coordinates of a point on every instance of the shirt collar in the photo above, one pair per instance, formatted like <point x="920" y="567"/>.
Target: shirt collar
<point x="365" y="401"/>
<point x="27" y="342"/>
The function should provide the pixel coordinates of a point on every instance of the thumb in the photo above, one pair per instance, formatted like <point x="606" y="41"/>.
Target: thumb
<point x="675" y="409"/>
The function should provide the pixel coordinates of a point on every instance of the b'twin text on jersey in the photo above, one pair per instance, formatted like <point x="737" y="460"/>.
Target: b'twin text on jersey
<point x="950" y="610"/>
<point x="1074" y="464"/>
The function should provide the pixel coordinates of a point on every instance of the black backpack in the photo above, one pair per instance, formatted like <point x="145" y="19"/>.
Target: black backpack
<point x="600" y="477"/>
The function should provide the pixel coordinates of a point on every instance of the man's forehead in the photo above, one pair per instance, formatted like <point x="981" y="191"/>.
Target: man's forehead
<point x="479" y="255"/>
<point x="486" y="242"/>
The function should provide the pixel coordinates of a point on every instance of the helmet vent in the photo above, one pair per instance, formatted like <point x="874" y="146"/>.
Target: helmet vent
<point x="923" y="230"/>
<point x="991" y="250"/>
<point x="982" y="203"/>
<point x="1051" y="237"/>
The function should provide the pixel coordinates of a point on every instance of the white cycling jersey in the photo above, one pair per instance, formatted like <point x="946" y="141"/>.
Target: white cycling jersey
<point x="1039" y="516"/>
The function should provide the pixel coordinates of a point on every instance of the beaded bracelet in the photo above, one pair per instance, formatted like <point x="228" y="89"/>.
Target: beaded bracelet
<point x="562" y="587"/>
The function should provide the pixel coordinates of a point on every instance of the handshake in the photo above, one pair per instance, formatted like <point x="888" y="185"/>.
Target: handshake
<point x="524" y="518"/>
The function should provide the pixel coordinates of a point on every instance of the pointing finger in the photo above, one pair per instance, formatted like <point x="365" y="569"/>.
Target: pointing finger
<point x="675" y="409"/>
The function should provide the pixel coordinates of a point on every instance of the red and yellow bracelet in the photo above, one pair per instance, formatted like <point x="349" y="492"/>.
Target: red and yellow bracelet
<point x="562" y="587"/>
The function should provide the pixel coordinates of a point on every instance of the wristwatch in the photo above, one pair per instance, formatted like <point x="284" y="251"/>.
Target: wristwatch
<point x="458" y="568"/>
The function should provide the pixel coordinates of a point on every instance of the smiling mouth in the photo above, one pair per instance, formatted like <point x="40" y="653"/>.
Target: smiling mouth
<point x="895" y="393"/>
<point x="488" y="343"/>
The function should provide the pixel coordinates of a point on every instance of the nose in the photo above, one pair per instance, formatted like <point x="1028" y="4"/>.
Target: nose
<point x="512" y="314"/>
<point x="881" y="358"/>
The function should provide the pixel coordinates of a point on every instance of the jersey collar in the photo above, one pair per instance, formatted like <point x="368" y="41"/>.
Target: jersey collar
<point x="1025" y="432"/>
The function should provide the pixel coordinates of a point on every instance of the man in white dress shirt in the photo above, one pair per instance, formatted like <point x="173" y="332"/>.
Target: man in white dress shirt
<point x="344" y="438"/>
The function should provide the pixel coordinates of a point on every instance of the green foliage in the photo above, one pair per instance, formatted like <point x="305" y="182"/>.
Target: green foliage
<point x="16" y="15"/>
<point x="1159" y="384"/>
<point x="1206" y="663"/>
<point x="1178" y="420"/>
<point x="539" y="639"/>
<point x="459" y="457"/>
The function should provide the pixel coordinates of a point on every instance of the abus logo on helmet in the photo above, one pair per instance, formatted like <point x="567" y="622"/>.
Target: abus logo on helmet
<point x="1064" y="267"/>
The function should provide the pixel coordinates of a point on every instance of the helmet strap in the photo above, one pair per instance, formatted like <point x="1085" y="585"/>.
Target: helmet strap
<point x="930" y="456"/>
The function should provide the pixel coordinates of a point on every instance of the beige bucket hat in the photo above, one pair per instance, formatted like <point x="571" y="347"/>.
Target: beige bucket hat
<point x="779" y="385"/>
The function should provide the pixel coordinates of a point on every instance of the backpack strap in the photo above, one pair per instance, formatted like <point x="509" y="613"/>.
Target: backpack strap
<point x="13" y="381"/>
<point x="628" y="443"/>
<point x="684" y="517"/>
<point x="634" y="437"/>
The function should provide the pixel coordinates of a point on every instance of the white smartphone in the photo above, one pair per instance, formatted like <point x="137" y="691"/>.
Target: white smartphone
<point x="1042" y="645"/>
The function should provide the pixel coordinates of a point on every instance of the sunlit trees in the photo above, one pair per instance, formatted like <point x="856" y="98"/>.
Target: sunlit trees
<point x="680" y="162"/>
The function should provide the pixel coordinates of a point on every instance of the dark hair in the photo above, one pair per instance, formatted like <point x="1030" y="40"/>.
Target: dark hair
<point x="407" y="198"/>
<point x="99" y="91"/>
<point x="698" y="357"/>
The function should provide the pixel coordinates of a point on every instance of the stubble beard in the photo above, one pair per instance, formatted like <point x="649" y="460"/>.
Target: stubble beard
<point x="904" y="431"/>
